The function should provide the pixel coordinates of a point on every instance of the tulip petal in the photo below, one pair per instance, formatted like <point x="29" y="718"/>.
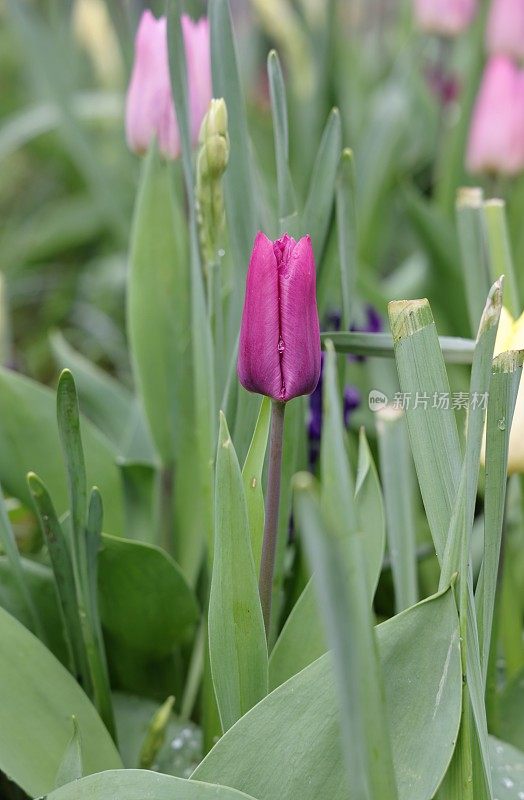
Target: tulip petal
<point x="198" y="58"/>
<point x="496" y="142"/>
<point x="505" y="29"/>
<point x="258" y="355"/>
<point x="299" y="321"/>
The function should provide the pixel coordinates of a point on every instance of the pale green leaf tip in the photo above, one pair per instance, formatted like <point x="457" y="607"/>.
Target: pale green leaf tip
<point x="494" y="203"/>
<point x="34" y="483"/>
<point x="223" y="434"/>
<point x="493" y="307"/>
<point x="470" y="197"/>
<point x="406" y="317"/>
<point x="508" y="361"/>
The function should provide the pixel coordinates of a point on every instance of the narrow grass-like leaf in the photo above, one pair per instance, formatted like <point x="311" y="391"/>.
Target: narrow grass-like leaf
<point x="499" y="250"/>
<point x="29" y="441"/>
<point x="347" y="232"/>
<point x="381" y="345"/>
<point x="86" y="524"/>
<point x="71" y="767"/>
<point x="9" y="546"/>
<point x="287" y="206"/>
<point x="396" y="470"/>
<point x="456" y="554"/>
<point x="432" y="431"/>
<point x="64" y="578"/>
<point x="239" y="178"/>
<point x="472" y="242"/>
<point x="252" y="479"/>
<point x="317" y="214"/>
<point x="341" y="583"/>
<point x="507" y="370"/>
<point x="69" y="429"/>
<point x="237" y="642"/>
<point x="106" y="402"/>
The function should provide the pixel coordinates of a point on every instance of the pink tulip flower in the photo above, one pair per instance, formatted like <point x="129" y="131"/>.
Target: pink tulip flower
<point x="150" y="110"/>
<point x="279" y="350"/>
<point x="505" y="28"/>
<point x="444" y="17"/>
<point x="496" y="138"/>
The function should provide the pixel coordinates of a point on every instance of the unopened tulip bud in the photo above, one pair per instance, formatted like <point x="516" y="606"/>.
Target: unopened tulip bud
<point x="505" y="28"/>
<point x="95" y="33"/>
<point x="150" y="110"/>
<point x="496" y="139"/>
<point x="444" y="17"/>
<point x="214" y="139"/>
<point x="279" y="349"/>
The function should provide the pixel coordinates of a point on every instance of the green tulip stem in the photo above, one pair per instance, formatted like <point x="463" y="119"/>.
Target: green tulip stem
<point x="269" y="544"/>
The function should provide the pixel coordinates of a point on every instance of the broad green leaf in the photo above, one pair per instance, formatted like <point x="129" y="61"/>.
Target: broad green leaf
<point x="36" y="705"/>
<point x="317" y="214"/>
<point x="137" y="784"/>
<point x="371" y="520"/>
<point x="157" y="308"/>
<point x="507" y="769"/>
<point x="341" y="584"/>
<point x="237" y="641"/>
<point x="396" y="470"/>
<point x="39" y="579"/>
<point x="301" y="641"/>
<point x="433" y="434"/>
<point x="107" y="403"/>
<point x="145" y="602"/>
<point x="298" y="723"/>
<point x="287" y="207"/>
<point x="29" y="441"/>
<point x="252" y="479"/>
<point x="9" y="547"/>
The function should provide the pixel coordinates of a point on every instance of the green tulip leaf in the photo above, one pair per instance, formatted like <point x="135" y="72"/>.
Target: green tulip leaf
<point x="145" y="602"/>
<point x="297" y="725"/>
<point x="137" y="784"/>
<point x="38" y="697"/>
<point x="29" y="441"/>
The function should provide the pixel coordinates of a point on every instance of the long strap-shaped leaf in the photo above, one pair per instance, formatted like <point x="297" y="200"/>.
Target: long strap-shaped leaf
<point x="507" y="370"/>
<point x="340" y="578"/>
